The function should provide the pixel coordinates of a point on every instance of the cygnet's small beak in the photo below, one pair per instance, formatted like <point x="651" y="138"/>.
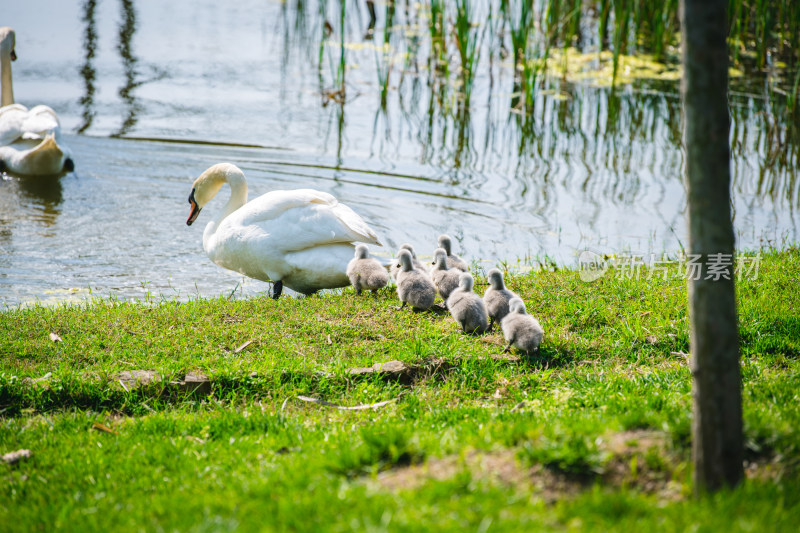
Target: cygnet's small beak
<point x="13" y="55"/>
<point x="195" y="210"/>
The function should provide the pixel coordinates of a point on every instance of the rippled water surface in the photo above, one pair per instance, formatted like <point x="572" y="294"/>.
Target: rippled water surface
<point x="152" y="93"/>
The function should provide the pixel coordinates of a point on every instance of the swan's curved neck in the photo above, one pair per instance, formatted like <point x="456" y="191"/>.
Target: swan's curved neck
<point x="7" y="97"/>
<point x="206" y="188"/>
<point x="238" y="195"/>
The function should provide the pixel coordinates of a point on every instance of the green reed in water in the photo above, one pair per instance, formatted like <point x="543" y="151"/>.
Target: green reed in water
<point x="550" y="41"/>
<point x="465" y="33"/>
<point x="520" y="26"/>
<point x="519" y="17"/>
<point x="438" y="32"/>
<point x="340" y="72"/>
<point x="383" y="56"/>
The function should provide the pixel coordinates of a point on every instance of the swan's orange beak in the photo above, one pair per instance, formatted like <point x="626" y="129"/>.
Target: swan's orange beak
<point x="195" y="210"/>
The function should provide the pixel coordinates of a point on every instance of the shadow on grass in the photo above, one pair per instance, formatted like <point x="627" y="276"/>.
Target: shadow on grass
<point x="548" y="357"/>
<point x="109" y="393"/>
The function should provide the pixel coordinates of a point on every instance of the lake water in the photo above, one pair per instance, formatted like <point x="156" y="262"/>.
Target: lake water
<point x="150" y="94"/>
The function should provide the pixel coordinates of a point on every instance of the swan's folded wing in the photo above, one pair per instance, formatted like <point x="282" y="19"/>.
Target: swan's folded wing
<point x="41" y="120"/>
<point x="12" y="118"/>
<point x="19" y="122"/>
<point x="355" y="224"/>
<point x="304" y="218"/>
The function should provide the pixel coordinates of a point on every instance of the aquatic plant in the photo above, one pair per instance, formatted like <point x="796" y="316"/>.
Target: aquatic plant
<point x="438" y="32"/>
<point x="465" y="33"/>
<point x="383" y="57"/>
<point x="531" y="59"/>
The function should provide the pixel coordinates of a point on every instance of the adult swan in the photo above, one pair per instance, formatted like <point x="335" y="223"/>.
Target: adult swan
<point x="28" y="138"/>
<point x="299" y="238"/>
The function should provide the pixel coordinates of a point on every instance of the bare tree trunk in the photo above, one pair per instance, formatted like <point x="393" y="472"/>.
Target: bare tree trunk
<point x="717" y="446"/>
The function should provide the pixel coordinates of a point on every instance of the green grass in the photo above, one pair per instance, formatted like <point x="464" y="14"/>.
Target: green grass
<point x="590" y="434"/>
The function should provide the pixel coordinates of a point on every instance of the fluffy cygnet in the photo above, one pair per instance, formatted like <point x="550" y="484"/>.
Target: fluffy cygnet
<point x="366" y="272"/>
<point x="445" y="279"/>
<point x="395" y="268"/>
<point x="414" y="287"/>
<point x="453" y="261"/>
<point x="497" y="297"/>
<point x="467" y="307"/>
<point x="520" y="329"/>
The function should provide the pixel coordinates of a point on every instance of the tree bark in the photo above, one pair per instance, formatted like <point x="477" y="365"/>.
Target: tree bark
<point x="717" y="443"/>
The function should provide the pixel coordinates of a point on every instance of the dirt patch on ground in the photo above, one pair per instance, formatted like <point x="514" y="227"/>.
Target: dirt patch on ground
<point x="500" y="466"/>
<point x="497" y="467"/>
<point x="642" y="459"/>
<point x="636" y="459"/>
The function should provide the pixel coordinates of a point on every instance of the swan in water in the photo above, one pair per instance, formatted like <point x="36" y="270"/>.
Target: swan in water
<point x="28" y="137"/>
<point x="299" y="238"/>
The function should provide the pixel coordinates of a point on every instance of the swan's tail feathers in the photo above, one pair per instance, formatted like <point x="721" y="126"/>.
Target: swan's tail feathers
<point x="356" y="225"/>
<point x="11" y="119"/>
<point x="19" y="122"/>
<point x="47" y="158"/>
<point x="40" y="122"/>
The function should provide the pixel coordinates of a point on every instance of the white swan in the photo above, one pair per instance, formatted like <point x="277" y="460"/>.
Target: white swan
<point x="28" y="138"/>
<point x="299" y="238"/>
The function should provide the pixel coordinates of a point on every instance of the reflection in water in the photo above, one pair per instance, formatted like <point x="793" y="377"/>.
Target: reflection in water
<point x="35" y="199"/>
<point x="46" y="193"/>
<point x="87" y="71"/>
<point x="373" y="18"/>
<point x="340" y="123"/>
<point x="610" y="145"/>
<point x="126" y="32"/>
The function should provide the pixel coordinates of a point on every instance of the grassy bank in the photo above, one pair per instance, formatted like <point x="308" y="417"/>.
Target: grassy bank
<point x="591" y="433"/>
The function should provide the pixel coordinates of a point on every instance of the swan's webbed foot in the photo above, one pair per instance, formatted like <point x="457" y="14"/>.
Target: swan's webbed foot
<point x="277" y="289"/>
<point x="402" y="306"/>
